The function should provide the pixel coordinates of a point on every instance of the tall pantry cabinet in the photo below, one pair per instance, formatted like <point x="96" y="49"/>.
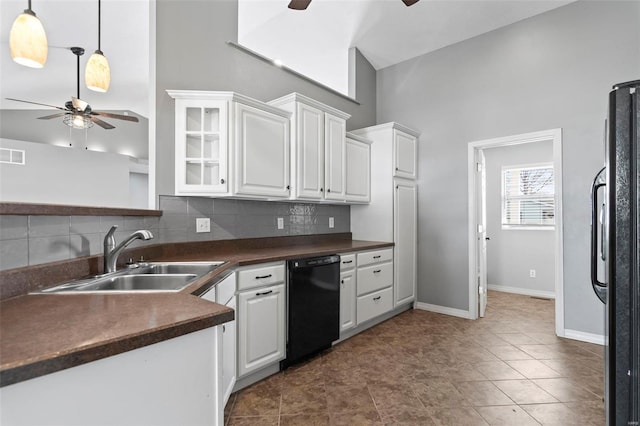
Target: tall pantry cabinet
<point x="392" y="213"/>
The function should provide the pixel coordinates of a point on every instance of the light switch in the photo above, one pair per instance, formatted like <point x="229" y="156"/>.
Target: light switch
<point x="280" y="223"/>
<point x="331" y="223"/>
<point x="203" y="224"/>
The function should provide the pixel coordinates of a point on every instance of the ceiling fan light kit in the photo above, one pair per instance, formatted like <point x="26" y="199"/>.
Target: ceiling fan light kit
<point x="77" y="121"/>
<point x="28" y="40"/>
<point x="97" y="75"/>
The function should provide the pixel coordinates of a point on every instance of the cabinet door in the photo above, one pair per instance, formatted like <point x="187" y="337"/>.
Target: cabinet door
<point x="261" y="328"/>
<point x="201" y="147"/>
<point x="405" y="231"/>
<point x="404" y="155"/>
<point x="334" y="165"/>
<point x="262" y="153"/>
<point x="228" y="355"/>
<point x="347" y="300"/>
<point x="358" y="171"/>
<point x="309" y="151"/>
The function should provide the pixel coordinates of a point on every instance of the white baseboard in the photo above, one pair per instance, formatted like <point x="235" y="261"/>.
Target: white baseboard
<point x="598" y="339"/>
<point x="443" y="310"/>
<point x="524" y="291"/>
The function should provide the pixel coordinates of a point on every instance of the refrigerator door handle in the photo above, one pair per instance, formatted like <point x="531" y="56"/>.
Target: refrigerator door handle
<point x="599" y="287"/>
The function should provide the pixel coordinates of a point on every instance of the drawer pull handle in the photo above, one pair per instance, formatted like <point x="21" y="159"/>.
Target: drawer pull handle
<point x="264" y="293"/>
<point x="377" y="257"/>
<point x="347" y="261"/>
<point x="224" y="329"/>
<point x="377" y="271"/>
<point x="264" y="276"/>
<point x="375" y="299"/>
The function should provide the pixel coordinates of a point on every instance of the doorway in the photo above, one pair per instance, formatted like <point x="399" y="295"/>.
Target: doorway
<point x="477" y="219"/>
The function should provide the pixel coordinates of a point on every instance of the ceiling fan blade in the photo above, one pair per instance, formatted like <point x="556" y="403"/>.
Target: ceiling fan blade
<point x="37" y="103"/>
<point x="101" y="123"/>
<point x="410" y="2"/>
<point x="118" y="116"/>
<point x="49" y="117"/>
<point x="299" y="4"/>
<point x="79" y="104"/>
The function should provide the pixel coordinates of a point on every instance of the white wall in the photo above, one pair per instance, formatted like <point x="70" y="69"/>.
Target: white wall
<point x="512" y="253"/>
<point x="59" y="175"/>
<point x="554" y="70"/>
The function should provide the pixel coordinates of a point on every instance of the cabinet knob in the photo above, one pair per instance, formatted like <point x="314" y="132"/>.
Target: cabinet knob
<point x="288" y="186"/>
<point x="321" y="190"/>
<point x="341" y="281"/>
<point x="221" y="180"/>
<point x="328" y="189"/>
<point x="397" y="168"/>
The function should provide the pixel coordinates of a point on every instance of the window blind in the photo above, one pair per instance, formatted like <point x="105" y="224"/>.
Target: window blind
<point x="528" y="196"/>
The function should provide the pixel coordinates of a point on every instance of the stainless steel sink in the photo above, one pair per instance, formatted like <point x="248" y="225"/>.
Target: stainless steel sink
<point x="144" y="277"/>
<point x="198" y="268"/>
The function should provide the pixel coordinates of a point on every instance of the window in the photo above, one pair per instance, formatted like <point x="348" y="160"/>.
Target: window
<point x="528" y="196"/>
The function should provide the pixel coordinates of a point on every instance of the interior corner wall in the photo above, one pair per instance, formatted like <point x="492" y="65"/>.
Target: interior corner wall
<point x="192" y="53"/>
<point x="553" y="70"/>
<point x="512" y="253"/>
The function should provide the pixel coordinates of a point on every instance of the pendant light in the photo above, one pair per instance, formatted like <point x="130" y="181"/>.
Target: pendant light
<point x="27" y="40"/>
<point x="97" y="75"/>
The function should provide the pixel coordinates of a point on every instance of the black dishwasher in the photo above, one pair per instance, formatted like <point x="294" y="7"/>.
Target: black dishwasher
<point x="313" y="297"/>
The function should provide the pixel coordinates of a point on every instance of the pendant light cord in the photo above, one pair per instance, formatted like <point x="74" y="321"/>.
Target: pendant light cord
<point x="78" y="74"/>
<point x="99" y="8"/>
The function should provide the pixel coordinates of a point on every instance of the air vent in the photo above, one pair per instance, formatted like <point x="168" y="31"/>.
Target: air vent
<point x="12" y="156"/>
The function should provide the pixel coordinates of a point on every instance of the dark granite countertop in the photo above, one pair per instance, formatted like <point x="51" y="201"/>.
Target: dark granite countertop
<point x="44" y="333"/>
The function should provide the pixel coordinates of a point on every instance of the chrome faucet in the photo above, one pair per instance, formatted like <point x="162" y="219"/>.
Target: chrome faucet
<point x="111" y="251"/>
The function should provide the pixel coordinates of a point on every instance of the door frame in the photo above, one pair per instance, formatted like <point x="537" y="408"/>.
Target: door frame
<point x="554" y="135"/>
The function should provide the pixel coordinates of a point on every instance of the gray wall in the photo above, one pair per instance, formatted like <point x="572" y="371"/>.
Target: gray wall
<point x="192" y="53"/>
<point x="552" y="70"/>
<point x="511" y="253"/>
<point x="60" y="175"/>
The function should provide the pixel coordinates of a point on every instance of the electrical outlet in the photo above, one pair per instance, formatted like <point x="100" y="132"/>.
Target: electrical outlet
<point x="532" y="273"/>
<point x="331" y="223"/>
<point x="280" y="223"/>
<point x="203" y="224"/>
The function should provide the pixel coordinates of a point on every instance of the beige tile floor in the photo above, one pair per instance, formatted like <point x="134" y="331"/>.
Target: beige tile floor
<point x="421" y="368"/>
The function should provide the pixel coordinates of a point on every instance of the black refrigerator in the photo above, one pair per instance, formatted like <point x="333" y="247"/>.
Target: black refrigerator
<point x="615" y="258"/>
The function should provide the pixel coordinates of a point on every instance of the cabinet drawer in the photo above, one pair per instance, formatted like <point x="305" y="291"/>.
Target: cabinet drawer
<point x="374" y="277"/>
<point x="376" y="256"/>
<point x="252" y="277"/>
<point x="374" y="304"/>
<point x="225" y="289"/>
<point x="347" y="261"/>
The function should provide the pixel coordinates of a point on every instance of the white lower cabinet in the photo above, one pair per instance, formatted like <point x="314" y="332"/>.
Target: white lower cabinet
<point x="374" y="304"/>
<point x="374" y="284"/>
<point x="347" y="300"/>
<point x="261" y="328"/>
<point x="228" y="355"/>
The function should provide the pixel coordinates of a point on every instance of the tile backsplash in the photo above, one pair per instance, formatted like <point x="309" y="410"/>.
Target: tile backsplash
<point x="32" y="240"/>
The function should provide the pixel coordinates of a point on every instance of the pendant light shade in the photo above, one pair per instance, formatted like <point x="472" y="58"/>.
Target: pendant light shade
<point x="28" y="41"/>
<point x="97" y="75"/>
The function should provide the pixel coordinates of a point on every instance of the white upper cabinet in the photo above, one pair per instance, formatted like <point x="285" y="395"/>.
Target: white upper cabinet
<point x="262" y="152"/>
<point x="230" y="145"/>
<point x="201" y="152"/>
<point x="358" y="169"/>
<point x="334" y="169"/>
<point x="404" y="154"/>
<point x="317" y="148"/>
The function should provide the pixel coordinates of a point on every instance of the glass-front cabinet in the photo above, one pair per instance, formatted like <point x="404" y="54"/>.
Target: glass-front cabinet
<point x="227" y="144"/>
<point x="201" y="146"/>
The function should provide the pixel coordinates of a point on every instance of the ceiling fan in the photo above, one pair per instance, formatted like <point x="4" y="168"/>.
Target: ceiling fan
<point x="77" y="113"/>
<point x="303" y="4"/>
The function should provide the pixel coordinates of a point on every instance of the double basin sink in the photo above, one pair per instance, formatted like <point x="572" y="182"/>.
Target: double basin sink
<point x="141" y="277"/>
